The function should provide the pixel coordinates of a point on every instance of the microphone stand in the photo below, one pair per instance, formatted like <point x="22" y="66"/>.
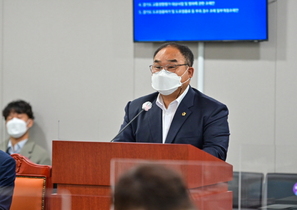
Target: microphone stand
<point x="127" y="125"/>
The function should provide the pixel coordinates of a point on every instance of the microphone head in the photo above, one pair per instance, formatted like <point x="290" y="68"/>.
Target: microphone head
<point x="147" y="106"/>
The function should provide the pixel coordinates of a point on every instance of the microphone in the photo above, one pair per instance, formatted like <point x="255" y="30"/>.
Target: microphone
<point x="145" y="107"/>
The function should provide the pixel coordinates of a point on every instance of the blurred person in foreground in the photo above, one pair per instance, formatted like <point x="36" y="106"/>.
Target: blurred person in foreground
<point x="151" y="187"/>
<point x="19" y="118"/>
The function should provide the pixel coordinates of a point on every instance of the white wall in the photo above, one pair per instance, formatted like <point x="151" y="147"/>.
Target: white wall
<point x="76" y="63"/>
<point x="73" y="61"/>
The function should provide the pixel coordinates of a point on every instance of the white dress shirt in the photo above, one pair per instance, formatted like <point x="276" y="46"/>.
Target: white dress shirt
<point x="168" y="114"/>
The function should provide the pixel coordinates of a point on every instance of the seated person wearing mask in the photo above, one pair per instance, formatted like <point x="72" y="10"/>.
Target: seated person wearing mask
<point x="7" y="177"/>
<point x="19" y="119"/>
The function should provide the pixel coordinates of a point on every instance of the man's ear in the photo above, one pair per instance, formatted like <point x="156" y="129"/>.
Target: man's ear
<point x="191" y="72"/>
<point x="30" y="123"/>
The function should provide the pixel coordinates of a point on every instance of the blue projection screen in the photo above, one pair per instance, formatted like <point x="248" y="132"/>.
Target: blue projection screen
<point x="216" y="20"/>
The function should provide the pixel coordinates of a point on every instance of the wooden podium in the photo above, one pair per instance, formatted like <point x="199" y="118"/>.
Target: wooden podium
<point x="82" y="169"/>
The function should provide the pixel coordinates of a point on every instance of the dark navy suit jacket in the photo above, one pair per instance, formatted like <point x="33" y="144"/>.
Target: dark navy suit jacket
<point x="7" y="177"/>
<point x="199" y="120"/>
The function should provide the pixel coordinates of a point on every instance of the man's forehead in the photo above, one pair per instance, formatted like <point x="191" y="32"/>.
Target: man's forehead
<point x="168" y="54"/>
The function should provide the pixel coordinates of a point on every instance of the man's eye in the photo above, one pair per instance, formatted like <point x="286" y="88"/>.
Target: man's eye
<point x="157" y="67"/>
<point x="171" y="67"/>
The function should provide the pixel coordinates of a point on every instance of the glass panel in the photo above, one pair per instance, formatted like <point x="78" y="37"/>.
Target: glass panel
<point x="266" y="178"/>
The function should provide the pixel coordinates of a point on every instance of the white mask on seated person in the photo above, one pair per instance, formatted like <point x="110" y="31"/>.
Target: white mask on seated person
<point x="16" y="127"/>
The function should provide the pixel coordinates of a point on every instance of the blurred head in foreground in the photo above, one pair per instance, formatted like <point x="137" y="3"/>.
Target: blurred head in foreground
<point x="151" y="187"/>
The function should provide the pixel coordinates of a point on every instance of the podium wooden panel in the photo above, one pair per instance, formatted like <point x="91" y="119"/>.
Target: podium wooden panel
<point x="83" y="169"/>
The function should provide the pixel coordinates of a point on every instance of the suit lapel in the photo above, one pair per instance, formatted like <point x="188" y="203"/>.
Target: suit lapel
<point x="27" y="149"/>
<point x="181" y="115"/>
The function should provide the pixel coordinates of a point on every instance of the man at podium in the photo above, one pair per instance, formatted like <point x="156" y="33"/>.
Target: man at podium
<point x="176" y="113"/>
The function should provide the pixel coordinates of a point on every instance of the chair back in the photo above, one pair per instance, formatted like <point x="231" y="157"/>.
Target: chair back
<point x="32" y="185"/>
<point x="247" y="188"/>
<point x="281" y="188"/>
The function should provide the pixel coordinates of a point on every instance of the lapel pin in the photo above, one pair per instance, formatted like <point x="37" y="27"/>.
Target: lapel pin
<point x="184" y="114"/>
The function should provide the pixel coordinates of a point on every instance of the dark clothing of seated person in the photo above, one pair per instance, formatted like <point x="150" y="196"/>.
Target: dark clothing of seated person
<point x="7" y="177"/>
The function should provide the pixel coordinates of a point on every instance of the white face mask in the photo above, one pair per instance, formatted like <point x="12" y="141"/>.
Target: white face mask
<point x="16" y="127"/>
<point x="166" y="82"/>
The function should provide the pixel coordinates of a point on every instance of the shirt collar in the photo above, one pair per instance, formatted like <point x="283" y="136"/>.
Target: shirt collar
<point x="17" y="147"/>
<point x="160" y="102"/>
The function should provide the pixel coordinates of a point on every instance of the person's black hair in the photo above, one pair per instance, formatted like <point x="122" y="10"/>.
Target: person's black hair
<point x="184" y="50"/>
<point x="18" y="106"/>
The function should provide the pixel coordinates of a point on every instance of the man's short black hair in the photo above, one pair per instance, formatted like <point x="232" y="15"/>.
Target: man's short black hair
<point x="18" y="106"/>
<point x="184" y="50"/>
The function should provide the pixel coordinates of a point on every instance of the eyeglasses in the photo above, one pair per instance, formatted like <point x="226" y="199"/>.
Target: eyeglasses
<point x="168" y="67"/>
